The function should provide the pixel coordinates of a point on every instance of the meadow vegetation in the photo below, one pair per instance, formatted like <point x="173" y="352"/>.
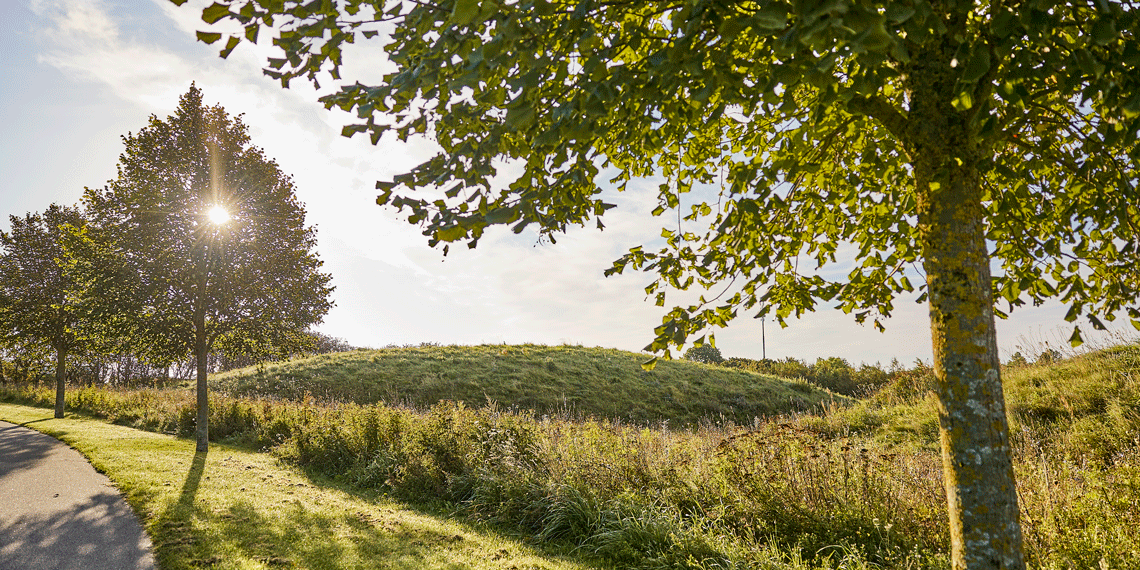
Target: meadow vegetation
<point x="564" y="380"/>
<point x="235" y="508"/>
<point x="852" y="486"/>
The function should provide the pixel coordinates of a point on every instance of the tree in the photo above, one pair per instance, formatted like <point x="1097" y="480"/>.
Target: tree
<point x="1018" y="360"/>
<point x="36" y="290"/>
<point x="705" y="353"/>
<point x="912" y="137"/>
<point x="201" y="243"/>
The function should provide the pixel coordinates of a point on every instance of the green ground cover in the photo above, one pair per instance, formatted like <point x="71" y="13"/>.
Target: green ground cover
<point x="852" y="486"/>
<point x="233" y="508"/>
<point x="580" y="381"/>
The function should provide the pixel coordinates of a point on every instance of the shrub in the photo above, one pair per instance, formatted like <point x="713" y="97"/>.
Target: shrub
<point x="706" y="353"/>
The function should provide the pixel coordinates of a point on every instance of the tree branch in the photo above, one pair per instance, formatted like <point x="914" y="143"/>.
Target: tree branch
<point x="879" y="109"/>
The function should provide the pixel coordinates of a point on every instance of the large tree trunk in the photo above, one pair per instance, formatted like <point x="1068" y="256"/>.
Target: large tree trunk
<point x="985" y="532"/>
<point x="60" y="378"/>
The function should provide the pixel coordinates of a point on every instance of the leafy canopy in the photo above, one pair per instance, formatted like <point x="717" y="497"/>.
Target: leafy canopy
<point x="251" y="283"/>
<point x="797" y="112"/>
<point x="37" y="290"/>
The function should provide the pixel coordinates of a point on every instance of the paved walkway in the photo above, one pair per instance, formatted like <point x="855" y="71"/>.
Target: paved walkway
<point x="58" y="513"/>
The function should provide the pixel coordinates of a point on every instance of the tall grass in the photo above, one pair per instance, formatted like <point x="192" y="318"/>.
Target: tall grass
<point x="856" y="487"/>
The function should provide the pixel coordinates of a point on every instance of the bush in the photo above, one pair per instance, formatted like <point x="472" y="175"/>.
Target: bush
<point x="835" y="374"/>
<point x="706" y="353"/>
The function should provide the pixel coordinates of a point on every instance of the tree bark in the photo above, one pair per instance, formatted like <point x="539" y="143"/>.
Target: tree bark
<point x="202" y="433"/>
<point x="201" y="350"/>
<point x="981" y="492"/>
<point x="60" y="378"/>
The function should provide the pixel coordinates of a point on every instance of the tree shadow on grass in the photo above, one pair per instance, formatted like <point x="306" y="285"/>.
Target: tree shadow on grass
<point x="291" y="530"/>
<point x="551" y="551"/>
<point x="300" y="537"/>
<point x="174" y="531"/>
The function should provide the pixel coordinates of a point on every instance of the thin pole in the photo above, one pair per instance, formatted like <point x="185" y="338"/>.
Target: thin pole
<point x="763" y="342"/>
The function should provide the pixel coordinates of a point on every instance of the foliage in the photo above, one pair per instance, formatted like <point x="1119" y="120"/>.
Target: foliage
<point x="706" y="354"/>
<point x="36" y="290"/>
<point x="1018" y="359"/>
<point x="821" y="97"/>
<point x="585" y="382"/>
<point x="856" y="483"/>
<point x="1049" y="356"/>
<point x="906" y="133"/>
<point x="184" y="282"/>
<point x="833" y="373"/>
<point x="254" y="283"/>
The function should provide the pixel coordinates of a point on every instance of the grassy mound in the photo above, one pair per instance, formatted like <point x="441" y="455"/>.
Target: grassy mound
<point x="598" y="382"/>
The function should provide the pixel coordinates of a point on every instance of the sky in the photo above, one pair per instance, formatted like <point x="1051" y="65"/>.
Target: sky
<point x="77" y="75"/>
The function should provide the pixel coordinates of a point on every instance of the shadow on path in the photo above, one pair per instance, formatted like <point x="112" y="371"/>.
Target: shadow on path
<point x="90" y="535"/>
<point x="58" y="513"/>
<point x="18" y="452"/>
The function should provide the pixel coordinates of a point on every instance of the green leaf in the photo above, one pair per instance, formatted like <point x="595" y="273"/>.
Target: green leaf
<point x="1131" y="109"/>
<point x="451" y="233"/>
<point x="520" y="117"/>
<point x="1075" y="339"/>
<point x="978" y="65"/>
<point x="349" y="130"/>
<point x="208" y="37"/>
<point x="771" y="16"/>
<point x="1097" y="325"/>
<point x="230" y="45"/>
<point x="464" y="12"/>
<point x="499" y="216"/>
<point x="1088" y="63"/>
<point x="897" y="12"/>
<point x="1072" y="313"/>
<point x="1104" y="31"/>
<point x="215" y="12"/>
<point x="963" y="102"/>
<point x="649" y="365"/>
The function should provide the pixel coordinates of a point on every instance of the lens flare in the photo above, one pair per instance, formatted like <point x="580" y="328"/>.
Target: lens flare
<point x="218" y="215"/>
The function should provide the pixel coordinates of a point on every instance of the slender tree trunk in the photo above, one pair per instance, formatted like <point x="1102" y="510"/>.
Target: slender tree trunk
<point x="200" y="352"/>
<point x="60" y="378"/>
<point x="985" y="532"/>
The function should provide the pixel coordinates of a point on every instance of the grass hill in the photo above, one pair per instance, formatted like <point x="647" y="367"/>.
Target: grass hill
<point x="599" y="382"/>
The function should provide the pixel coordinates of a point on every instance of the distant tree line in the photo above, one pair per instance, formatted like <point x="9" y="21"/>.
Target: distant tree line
<point x="840" y="376"/>
<point x="29" y="363"/>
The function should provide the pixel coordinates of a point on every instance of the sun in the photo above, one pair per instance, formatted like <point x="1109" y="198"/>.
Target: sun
<point x="218" y="215"/>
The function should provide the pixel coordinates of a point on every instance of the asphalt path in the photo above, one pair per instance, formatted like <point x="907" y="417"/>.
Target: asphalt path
<point x="58" y="513"/>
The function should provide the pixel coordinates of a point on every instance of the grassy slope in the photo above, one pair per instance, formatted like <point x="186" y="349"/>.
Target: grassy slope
<point x="233" y="508"/>
<point x="1090" y="401"/>
<point x="605" y="383"/>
